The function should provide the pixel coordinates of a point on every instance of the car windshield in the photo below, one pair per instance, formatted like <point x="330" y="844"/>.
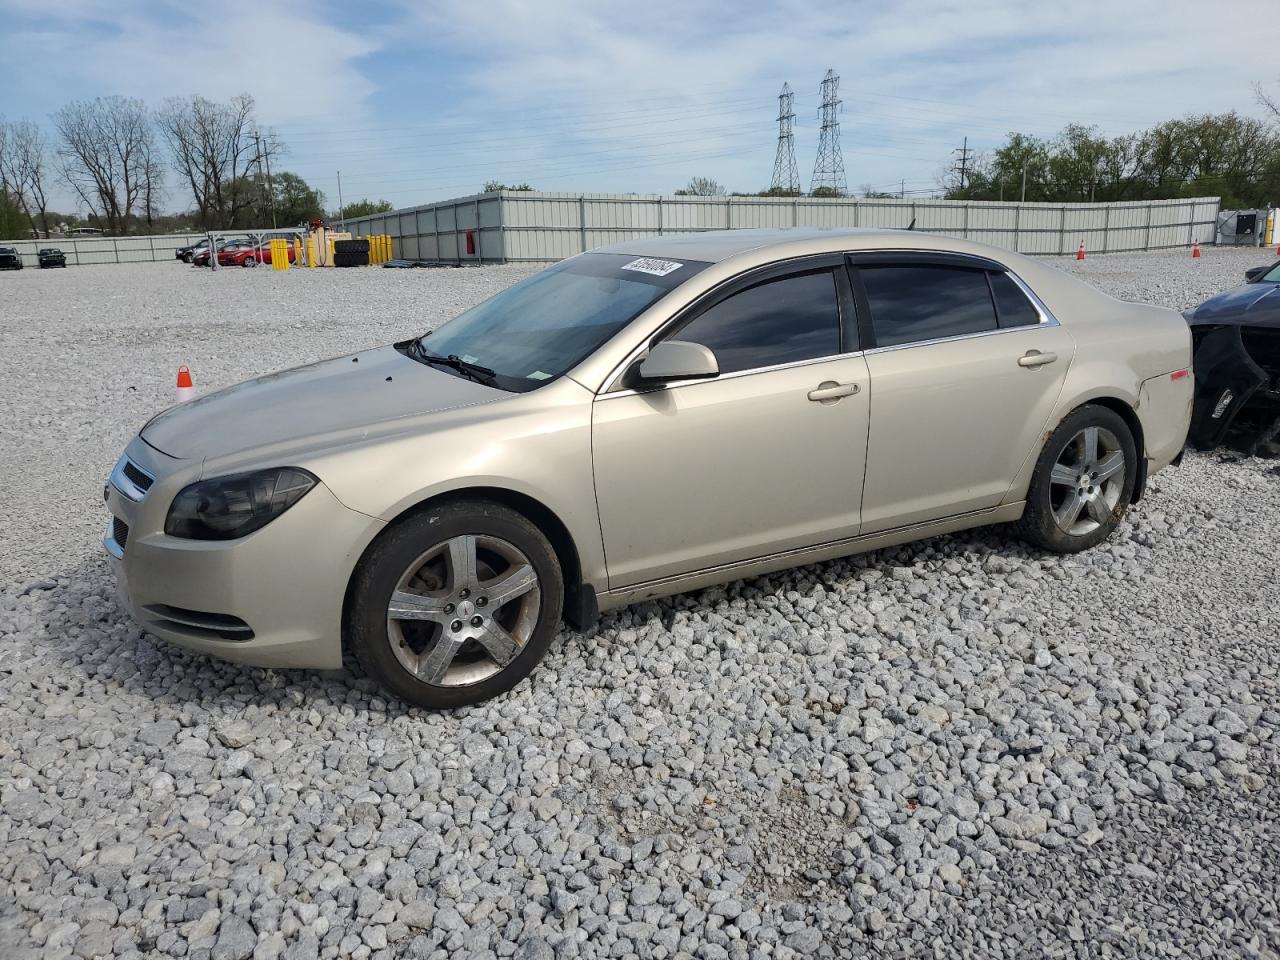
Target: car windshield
<point x="542" y="327"/>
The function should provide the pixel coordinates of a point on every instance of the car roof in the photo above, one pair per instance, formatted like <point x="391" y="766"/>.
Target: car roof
<point x="713" y="246"/>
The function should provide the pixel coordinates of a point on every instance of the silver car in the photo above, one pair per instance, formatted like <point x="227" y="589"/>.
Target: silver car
<point x="637" y="421"/>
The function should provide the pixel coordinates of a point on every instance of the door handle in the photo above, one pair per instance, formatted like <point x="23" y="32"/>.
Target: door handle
<point x="829" y="391"/>
<point x="1034" y="358"/>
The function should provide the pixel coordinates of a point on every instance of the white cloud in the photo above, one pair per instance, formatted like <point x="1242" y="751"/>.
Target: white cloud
<point x="917" y="75"/>
<point x="297" y="66"/>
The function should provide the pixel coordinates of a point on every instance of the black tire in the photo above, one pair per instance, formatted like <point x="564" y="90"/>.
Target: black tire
<point x="1048" y="499"/>
<point x="369" y="635"/>
<point x="249" y="262"/>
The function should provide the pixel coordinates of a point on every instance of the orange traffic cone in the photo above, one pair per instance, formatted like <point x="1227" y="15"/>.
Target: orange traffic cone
<point x="1080" y="252"/>
<point x="186" y="389"/>
<point x="1195" y="250"/>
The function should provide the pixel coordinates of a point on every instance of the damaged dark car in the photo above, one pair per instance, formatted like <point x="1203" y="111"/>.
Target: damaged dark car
<point x="1236" y="337"/>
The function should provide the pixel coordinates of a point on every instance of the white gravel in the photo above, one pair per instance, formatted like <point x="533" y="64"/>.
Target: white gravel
<point x="959" y="746"/>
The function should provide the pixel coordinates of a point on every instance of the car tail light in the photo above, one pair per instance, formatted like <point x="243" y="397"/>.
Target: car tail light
<point x="1180" y="374"/>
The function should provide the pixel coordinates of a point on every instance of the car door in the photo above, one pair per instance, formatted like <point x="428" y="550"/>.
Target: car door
<point x="965" y="371"/>
<point x="766" y="457"/>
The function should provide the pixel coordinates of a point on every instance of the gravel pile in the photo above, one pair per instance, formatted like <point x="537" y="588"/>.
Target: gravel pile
<point x="954" y="746"/>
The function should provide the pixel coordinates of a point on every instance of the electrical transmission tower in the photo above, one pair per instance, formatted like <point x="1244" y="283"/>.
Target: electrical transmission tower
<point x="786" y="176"/>
<point x="828" y="170"/>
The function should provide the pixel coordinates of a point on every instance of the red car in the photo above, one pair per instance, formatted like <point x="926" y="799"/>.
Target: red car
<point x="250" y="255"/>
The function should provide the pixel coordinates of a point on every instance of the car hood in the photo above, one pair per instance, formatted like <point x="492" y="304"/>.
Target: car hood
<point x="329" y="397"/>
<point x="1248" y="303"/>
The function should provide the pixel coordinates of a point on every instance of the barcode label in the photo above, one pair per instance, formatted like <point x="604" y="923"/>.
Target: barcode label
<point x="659" y="268"/>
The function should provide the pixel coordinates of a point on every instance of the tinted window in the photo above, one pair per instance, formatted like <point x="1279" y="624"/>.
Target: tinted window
<point x="914" y="303"/>
<point x="795" y="318"/>
<point x="537" y="329"/>
<point x="1011" y="303"/>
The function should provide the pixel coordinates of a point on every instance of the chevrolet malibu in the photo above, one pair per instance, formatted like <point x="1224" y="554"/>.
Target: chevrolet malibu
<point x="637" y="421"/>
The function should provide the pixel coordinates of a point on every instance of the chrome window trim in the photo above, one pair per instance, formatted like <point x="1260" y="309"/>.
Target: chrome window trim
<point x="1046" y="319"/>
<point x="730" y="376"/>
<point x="126" y="487"/>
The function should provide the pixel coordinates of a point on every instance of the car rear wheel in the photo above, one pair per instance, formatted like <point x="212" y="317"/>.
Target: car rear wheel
<point x="456" y="604"/>
<point x="1083" y="482"/>
<point x="249" y="262"/>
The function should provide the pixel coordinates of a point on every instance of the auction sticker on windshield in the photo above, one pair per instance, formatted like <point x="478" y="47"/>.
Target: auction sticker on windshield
<point x="659" y="268"/>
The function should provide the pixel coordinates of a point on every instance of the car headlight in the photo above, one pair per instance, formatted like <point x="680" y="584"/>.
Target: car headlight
<point x="225" y="508"/>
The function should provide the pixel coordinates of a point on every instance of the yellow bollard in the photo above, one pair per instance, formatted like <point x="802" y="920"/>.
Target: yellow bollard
<point x="311" y="253"/>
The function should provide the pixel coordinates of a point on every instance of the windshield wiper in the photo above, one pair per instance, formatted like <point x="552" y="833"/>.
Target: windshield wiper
<point x="473" y="370"/>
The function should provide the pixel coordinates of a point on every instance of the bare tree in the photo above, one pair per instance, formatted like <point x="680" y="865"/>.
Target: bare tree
<point x="107" y="156"/>
<point x="1268" y="102"/>
<point x="702" y="187"/>
<point x="24" y="154"/>
<point x="214" y="148"/>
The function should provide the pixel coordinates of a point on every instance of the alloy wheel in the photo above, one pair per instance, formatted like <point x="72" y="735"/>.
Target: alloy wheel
<point x="1087" y="481"/>
<point x="463" y="610"/>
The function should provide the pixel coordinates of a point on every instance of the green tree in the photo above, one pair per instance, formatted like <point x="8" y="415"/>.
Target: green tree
<point x="1226" y="155"/>
<point x="364" y="208"/>
<point x="826" y="192"/>
<point x="13" y="223"/>
<point x="296" y="200"/>
<point x="493" y="186"/>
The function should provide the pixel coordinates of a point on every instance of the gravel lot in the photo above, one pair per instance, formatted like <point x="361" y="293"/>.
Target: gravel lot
<point x="960" y="746"/>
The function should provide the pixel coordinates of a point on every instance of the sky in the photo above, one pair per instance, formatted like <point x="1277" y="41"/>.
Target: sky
<point x="420" y="101"/>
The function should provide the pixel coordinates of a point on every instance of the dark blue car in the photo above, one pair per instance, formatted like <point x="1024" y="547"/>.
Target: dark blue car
<point x="1236" y="337"/>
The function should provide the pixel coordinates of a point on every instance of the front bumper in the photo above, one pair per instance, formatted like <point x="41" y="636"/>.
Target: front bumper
<point x="271" y="599"/>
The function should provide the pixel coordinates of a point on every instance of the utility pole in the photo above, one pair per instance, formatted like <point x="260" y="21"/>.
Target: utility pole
<point x="271" y="194"/>
<point x="902" y="189"/>
<point x="341" y="214"/>
<point x="963" y="161"/>
<point x="1024" y="183"/>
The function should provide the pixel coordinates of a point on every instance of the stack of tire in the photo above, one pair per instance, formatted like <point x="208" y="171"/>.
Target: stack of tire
<point x="351" y="253"/>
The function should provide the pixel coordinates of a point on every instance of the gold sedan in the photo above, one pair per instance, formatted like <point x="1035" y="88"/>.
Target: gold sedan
<point x="634" y="422"/>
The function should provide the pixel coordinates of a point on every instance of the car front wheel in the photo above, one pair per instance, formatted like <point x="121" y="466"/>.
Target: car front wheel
<point x="456" y="604"/>
<point x="1083" y="482"/>
<point x="249" y="262"/>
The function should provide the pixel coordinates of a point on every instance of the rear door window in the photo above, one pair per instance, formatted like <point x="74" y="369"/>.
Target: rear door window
<point x="1012" y="305"/>
<point x="913" y="303"/>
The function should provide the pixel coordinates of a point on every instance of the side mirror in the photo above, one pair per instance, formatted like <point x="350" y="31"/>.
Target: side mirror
<point x="675" y="360"/>
<point x="1253" y="273"/>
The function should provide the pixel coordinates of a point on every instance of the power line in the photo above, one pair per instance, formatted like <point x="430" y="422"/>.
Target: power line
<point x="828" y="169"/>
<point x="785" y="174"/>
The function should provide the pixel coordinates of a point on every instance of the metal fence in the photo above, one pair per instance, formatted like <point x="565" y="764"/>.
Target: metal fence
<point x="88" y="250"/>
<point x="543" y="227"/>
<point x="513" y="226"/>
